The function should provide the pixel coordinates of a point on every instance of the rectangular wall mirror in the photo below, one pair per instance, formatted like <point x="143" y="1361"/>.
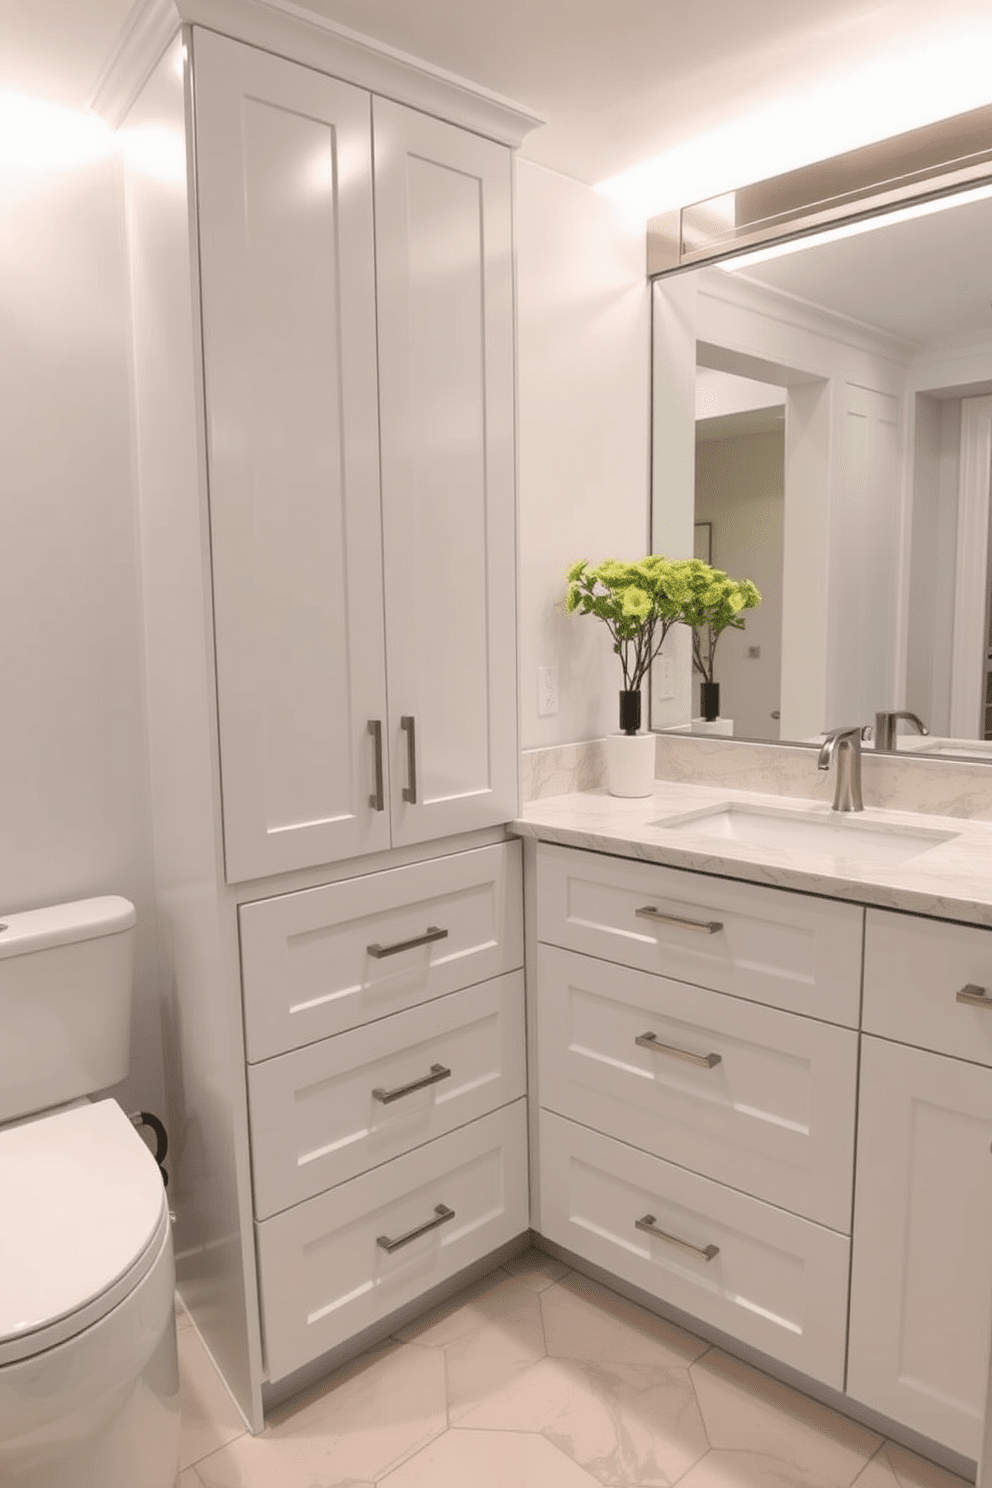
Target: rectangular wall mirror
<point x="828" y="412"/>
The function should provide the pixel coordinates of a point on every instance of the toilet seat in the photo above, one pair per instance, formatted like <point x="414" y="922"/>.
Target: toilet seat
<point x="84" y="1216"/>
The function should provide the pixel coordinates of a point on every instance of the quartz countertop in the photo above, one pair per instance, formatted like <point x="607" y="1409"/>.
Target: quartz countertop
<point x="950" y="880"/>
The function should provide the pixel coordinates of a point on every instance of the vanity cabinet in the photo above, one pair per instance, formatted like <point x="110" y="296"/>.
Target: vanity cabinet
<point x="356" y="271"/>
<point x="697" y="1068"/>
<point x="712" y="1055"/>
<point x="921" y="1285"/>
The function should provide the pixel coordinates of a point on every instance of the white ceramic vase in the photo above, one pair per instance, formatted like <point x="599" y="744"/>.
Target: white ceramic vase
<point x="630" y="761"/>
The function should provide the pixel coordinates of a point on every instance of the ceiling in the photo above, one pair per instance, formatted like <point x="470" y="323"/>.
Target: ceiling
<point x="618" y="82"/>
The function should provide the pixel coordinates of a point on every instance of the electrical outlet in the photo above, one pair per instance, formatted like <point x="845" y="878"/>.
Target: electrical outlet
<point x="664" y="676"/>
<point x="547" y="691"/>
<point x="753" y="653"/>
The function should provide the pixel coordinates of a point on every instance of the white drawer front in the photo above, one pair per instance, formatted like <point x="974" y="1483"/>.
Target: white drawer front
<point x="914" y="969"/>
<point x="778" y="1282"/>
<point x="317" y="962"/>
<point x="316" y="1119"/>
<point x="774" y="1117"/>
<point x="323" y="1275"/>
<point x="788" y="950"/>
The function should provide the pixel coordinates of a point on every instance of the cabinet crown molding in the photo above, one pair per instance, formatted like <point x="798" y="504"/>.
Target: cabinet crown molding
<point x="292" y="31"/>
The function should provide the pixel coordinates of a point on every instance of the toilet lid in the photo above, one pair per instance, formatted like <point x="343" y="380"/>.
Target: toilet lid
<point x="82" y="1204"/>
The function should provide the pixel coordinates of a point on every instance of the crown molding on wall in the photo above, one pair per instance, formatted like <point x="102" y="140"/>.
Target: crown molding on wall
<point x="291" y="31"/>
<point x="148" y="30"/>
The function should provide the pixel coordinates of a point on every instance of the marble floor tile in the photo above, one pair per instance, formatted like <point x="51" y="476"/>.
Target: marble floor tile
<point x="261" y="1462"/>
<point x="189" y="1479"/>
<point x="535" y="1268"/>
<point x="183" y="1319"/>
<point x="209" y="1417"/>
<point x="797" y="1439"/>
<point x="488" y="1335"/>
<point x="369" y="1416"/>
<point x="896" y="1467"/>
<point x="583" y="1320"/>
<point x="623" y="1423"/>
<point x="489" y="1459"/>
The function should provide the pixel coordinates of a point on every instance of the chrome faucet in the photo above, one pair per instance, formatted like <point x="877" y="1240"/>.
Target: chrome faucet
<point x="845" y="745"/>
<point x="885" y="728"/>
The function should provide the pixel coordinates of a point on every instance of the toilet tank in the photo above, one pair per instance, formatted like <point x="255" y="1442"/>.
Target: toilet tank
<point x="65" y="1002"/>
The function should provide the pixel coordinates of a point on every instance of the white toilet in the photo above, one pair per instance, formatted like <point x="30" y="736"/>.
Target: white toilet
<point x="89" y="1381"/>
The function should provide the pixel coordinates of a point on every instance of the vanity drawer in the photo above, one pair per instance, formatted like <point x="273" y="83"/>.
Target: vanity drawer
<point x="914" y="969"/>
<point x="316" y="1120"/>
<point x="324" y="1271"/>
<point x="777" y="1282"/>
<point x="774" y="1116"/>
<point x="323" y="960"/>
<point x="790" y="951"/>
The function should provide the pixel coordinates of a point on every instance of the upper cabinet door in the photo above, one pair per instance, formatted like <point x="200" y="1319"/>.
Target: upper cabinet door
<point x="288" y="289"/>
<point x="445" y="294"/>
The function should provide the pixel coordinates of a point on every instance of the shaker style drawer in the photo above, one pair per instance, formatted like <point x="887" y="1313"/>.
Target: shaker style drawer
<point x="751" y="1096"/>
<point x="770" y="1279"/>
<point x="787" y="950"/>
<point x="320" y="961"/>
<point x="336" y="1264"/>
<point x="928" y="982"/>
<point x="321" y="1115"/>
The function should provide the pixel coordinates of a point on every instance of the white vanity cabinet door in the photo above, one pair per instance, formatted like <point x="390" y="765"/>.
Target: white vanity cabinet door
<point x="289" y="326"/>
<point x="776" y="1282"/>
<point x="914" y="970"/>
<point x="445" y="304"/>
<point x="790" y="951"/>
<point x="921" y="1284"/>
<point x="754" y="1097"/>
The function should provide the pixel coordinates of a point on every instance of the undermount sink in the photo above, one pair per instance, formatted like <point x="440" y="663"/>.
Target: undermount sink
<point x="841" y="836"/>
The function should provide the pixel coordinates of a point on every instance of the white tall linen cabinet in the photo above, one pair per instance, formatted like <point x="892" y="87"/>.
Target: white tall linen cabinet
<point x="322" y="292"/>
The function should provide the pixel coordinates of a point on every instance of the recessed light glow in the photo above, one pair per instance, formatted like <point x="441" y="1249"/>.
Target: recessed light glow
<point x="948" y="76"/>
<point x="855" y="229"/>
<point x="36" y="135"/>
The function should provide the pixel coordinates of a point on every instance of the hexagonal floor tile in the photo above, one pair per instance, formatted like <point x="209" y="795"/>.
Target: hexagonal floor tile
<point x="796" y="1439"/>
<point x="623" y="1423"/>
<point x="488" y="1335"/>
<point x="352" y="1427"/>
<point x="583" y="1320"/>
<point x="895" y="1467"/>
<point x="489" y="1459"/>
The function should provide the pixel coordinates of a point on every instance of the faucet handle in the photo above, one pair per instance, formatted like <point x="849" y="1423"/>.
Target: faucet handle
<point x="885" y="727"/>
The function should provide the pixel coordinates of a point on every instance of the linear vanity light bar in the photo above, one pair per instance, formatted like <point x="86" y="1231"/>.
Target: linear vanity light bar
<point x="919" y="168"/>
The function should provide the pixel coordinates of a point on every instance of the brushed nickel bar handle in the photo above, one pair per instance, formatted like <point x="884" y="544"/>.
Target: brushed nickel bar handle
<point x="432" y="933"/>
<point x="651" y="1041"/>
<point x="974" y="996"/>
<point x="702" y="927"/>
<point x="441" y="1216"/>
<point x="409" y="727"/>
<point x="703" y="1253"/>
<point x="377" y="800"/>
<point x="438" y="1072"/>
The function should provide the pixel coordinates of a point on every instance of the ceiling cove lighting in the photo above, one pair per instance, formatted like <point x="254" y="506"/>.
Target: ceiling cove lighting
<point x="855" y="229"/>
<point x="948" y="76"/>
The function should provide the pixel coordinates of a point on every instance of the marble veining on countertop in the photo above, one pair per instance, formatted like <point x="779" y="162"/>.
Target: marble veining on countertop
<point x="950" y="880"/>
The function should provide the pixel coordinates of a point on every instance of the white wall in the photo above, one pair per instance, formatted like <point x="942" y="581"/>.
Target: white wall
<point x="73" y="792"/>
<point x="583" y="418"/>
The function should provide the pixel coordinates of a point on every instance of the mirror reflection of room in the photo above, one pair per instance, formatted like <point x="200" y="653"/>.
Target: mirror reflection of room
<point x="875" y="572"/>
<point x="739" y="515"/>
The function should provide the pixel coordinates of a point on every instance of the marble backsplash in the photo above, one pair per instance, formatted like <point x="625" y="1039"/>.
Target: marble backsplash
<point x="936" y="787"/>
